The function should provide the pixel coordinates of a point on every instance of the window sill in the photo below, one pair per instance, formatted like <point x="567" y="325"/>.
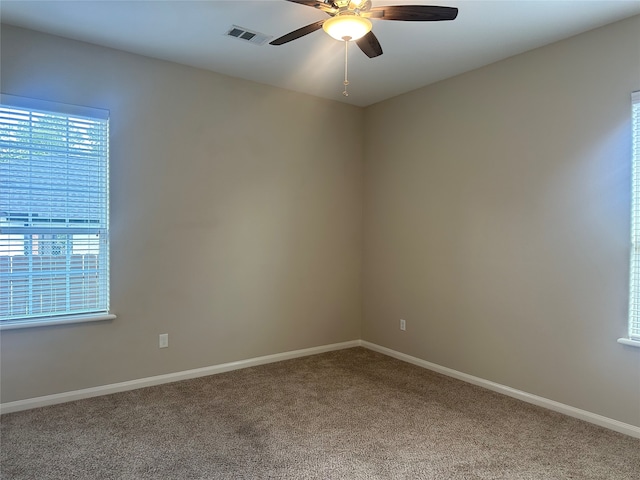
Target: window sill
<point x="50" y="322"/>
<point x="628" y="341"/>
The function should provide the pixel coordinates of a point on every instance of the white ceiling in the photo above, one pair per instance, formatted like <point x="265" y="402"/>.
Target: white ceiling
<point x="415" y="53"/>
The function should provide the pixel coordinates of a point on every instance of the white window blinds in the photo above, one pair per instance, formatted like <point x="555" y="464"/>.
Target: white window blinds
<point x="54" y="210"/>
<point x="634" y="303"/>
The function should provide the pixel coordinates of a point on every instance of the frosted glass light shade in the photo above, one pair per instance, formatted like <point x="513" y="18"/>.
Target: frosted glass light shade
<point x="351" y="27"/>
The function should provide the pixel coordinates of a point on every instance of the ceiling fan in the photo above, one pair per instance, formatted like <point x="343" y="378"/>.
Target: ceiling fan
<point x="350" y="20"/>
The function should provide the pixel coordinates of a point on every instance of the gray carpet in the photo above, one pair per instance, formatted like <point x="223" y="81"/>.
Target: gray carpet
<point x="350" y="414"/>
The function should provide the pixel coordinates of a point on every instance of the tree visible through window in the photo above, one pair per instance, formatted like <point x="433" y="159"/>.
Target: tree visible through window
<point x="54" y="237"/>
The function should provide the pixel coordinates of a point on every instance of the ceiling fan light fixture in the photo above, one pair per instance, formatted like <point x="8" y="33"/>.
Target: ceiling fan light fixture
<point x="347" y="27"/>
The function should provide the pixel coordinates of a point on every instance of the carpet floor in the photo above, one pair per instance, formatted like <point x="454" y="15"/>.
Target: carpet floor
<point x="349" y="414"/>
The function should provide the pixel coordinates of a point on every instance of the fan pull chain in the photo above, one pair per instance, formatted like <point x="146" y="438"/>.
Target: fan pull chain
<point x="346" y="65"/>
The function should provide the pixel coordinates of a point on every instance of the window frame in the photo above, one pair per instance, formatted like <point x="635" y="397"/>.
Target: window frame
<point x="633" y="331"/>
<point x="51" y="230"/>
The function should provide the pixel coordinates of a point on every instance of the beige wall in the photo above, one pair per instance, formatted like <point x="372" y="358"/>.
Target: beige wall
<point x="236" y="221"/>
<point x="497" y="222"/>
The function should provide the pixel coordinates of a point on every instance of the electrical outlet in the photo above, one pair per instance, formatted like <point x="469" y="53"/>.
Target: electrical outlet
<point x="163" y="341"/>
<point x="403" y="324"/>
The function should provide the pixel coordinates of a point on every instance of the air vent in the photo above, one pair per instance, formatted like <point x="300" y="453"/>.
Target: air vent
<point x="247" y="35"/>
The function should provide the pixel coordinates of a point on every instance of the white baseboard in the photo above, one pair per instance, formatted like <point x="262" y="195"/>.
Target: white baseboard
<point x="594" y="418"/>
<point x="46" y="400"/>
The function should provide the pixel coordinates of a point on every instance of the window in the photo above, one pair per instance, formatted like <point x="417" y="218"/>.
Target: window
<point x="54" y="212"/>
<point x="634" y="302"/>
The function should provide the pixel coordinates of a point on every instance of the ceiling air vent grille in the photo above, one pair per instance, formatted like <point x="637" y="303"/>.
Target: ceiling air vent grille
<point x="247" y="35"/>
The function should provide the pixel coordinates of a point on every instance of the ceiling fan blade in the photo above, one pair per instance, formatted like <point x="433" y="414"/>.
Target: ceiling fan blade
<point x="301" y="32"/>
<point x="413" y="13"/>
<point x="327" y="6"/>
<point x="369" y="45"/>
